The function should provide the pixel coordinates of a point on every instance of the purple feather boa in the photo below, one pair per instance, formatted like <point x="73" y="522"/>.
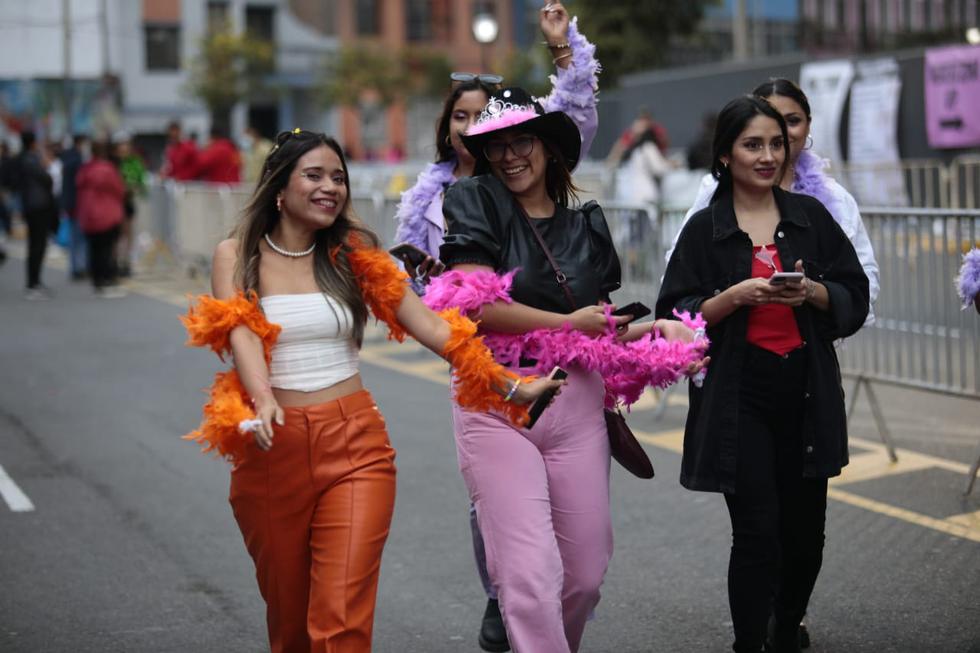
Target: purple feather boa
<point x="627" y="369"/>
<point x="810" y="178"/>
<point x="416" y="200"/>
<point x="968" y="281"/>
<point x="574" y="91"/>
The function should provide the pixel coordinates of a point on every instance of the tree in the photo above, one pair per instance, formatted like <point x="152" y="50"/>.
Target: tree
<point x="359" y="71"/>
<point x="635" y="35"/>
<point x="229" y="68"/>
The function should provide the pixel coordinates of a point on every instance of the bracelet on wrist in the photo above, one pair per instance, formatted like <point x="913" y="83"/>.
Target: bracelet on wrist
<point x="557" y="46"/>
<point x="560" y="57"/>
<point x="513" y="390"/>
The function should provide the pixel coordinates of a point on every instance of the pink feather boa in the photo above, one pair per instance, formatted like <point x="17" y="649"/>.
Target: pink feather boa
<point x="626" y="368"/>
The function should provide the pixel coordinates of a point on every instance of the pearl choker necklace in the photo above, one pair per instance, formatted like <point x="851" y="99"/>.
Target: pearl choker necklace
<point x="286" y="252"/>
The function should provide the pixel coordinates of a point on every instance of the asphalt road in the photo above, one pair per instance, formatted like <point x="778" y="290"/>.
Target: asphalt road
<point x="131" y="545"/>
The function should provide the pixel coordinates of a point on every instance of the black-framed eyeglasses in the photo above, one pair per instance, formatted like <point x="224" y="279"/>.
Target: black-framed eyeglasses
<point x="520" y="146"/>
<point x="486" y="78"/>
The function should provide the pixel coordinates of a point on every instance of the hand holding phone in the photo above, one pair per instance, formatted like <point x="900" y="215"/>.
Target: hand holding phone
<point x="636" y="309"/>
<point x="408" y="254"/>
<point x="557" y="374"/>
<point x="782" y="278"/>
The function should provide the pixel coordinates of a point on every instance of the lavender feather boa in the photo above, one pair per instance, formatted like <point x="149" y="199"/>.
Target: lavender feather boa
<point x="810" y="178"/>
<point x="416" y="200"/>
<point x="574" y="89"/>
<point x="626" y="368"/>
<point x="968" y="281"/>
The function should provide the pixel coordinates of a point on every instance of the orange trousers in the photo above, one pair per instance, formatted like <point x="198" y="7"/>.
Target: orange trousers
<point x="314" y="512"/>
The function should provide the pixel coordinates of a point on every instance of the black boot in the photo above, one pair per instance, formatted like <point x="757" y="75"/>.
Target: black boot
<point x="804" y="636"/>
<point x="781" y="638"/>
<point x="493" y="635"/>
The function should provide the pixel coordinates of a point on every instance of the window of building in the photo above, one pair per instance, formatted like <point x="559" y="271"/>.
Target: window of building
<point x="162" y="47"/>
<point x="419" y="16"/>
<point x="367" y="17"/>
<point x="260" y="22"/>
<point x="320" y="15"/>
<point x="217" y="15"/>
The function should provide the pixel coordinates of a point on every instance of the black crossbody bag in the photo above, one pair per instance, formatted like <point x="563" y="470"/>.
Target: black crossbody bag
<point x="623" y="445"/>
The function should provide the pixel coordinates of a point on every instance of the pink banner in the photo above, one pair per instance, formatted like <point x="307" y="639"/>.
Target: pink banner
<point x="952" y="88"/>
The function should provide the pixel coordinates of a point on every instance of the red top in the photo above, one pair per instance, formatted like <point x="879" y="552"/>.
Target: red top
<point x="180" y="160"/>
<point x="219" y="162"/>
<point x="771" y="326"/>
<point x="99" y="203"/>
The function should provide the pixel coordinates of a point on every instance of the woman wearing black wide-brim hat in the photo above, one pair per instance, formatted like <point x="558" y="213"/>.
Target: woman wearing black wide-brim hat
<point x="538" y="272"/>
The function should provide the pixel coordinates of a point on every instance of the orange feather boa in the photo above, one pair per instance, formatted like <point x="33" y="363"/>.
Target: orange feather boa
<point x="382" y="283"/>
<point x="475" y="371"/>
<point x="209" y="324"/>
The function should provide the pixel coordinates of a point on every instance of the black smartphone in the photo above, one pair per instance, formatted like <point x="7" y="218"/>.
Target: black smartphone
<point x="636" y="309"/>
<point x="780" y="278"/>
<point x="557" y="374"/>
<point x="409" y="254"/>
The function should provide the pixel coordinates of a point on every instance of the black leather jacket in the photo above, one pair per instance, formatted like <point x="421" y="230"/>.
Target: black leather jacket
<point x="713" y="254"/>
<point x="485" y="227"/>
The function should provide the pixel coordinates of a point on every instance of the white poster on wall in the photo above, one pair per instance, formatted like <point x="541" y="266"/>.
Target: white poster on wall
<point x="826" y="84"/>
<point x="875" y="174"/>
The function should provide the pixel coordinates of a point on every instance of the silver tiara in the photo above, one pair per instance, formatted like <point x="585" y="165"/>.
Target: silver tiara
<point x="496" y="107"/>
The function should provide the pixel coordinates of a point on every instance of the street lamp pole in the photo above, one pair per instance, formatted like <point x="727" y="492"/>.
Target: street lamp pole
<point x="485" y="29"/>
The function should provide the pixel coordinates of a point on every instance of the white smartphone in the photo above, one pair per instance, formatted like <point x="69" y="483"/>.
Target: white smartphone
<point x="780" y="278"/>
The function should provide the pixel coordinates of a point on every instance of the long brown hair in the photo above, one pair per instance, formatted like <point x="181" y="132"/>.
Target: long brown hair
<point x="331" y="267"/>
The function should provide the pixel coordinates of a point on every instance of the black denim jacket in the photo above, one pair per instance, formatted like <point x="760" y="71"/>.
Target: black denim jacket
<point x="713" y="254"/>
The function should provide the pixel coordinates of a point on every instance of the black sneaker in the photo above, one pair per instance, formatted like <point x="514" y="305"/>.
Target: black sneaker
<point x="493" y="635"/>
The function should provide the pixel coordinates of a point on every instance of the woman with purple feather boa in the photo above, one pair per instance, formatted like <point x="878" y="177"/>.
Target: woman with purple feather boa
<point x="806" y="174"/>
<point x="420" y="218"/>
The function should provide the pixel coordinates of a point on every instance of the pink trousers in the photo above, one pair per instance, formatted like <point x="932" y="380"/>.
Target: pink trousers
<point x="542" y="502"/>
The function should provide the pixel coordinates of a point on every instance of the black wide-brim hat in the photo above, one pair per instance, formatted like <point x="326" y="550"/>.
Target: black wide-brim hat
<point x="513" y="108"/>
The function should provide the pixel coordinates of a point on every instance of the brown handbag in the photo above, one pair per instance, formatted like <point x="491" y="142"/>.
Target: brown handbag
<point x="623" y="445"/>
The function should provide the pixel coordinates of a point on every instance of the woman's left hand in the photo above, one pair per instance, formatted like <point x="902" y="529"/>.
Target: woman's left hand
<point x="554" y="23"/>
<point x="794" y="293"/>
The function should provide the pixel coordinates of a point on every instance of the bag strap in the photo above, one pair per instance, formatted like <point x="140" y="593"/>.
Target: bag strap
<point x="559" y="275"/>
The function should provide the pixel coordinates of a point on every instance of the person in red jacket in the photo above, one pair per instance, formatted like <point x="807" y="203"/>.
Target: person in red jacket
<point x="180" y="157"/>
<point x="219" y="162"/>
<point x="99" y="205"/>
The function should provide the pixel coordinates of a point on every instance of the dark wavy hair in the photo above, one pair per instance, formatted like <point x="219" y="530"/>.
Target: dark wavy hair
<point x="732" y="121"/>
<point x="784" y="88"/>
<point x="333" y="274"/>
<point x="444" y="150"/>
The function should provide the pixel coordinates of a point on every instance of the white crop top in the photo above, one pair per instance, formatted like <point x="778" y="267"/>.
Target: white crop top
<point x="316" y="348"/>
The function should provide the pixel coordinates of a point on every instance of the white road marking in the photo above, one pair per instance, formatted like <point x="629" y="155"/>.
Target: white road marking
<point x="13" y="495"/>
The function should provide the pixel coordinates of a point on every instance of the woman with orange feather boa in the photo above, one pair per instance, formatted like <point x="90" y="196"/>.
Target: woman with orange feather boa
<point x="313" y="482"/>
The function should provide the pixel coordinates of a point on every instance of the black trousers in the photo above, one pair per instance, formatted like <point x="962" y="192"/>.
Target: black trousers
<point x="777" y="515"/>
<point x="38" y="230"/>
<point x="102" y="257"/>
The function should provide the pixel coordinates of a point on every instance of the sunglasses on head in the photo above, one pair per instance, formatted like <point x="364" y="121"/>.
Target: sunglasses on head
<point x="490" y="80"/>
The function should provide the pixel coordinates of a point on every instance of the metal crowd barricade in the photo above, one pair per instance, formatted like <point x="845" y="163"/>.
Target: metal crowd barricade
<point x="921" y="339"/>
<point x="964" y="182"/>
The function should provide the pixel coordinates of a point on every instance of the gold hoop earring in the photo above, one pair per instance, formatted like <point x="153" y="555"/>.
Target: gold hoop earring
<point x="279" y="203"/>
<point x="449" y="140"/>
<point x="809" y="142"/>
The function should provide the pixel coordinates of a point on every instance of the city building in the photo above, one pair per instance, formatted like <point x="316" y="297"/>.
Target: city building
<point x="858" y="26"/>
<point x="123" y="64"/>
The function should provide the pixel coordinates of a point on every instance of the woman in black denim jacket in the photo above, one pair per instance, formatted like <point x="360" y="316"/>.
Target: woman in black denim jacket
<point x="768" y="427"/>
